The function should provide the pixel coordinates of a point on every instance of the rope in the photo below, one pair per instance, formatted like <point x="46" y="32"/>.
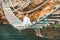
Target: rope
<point x="35" y="8"/>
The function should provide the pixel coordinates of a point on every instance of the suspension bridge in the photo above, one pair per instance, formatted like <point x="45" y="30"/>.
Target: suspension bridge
<point x="16" y="22"/>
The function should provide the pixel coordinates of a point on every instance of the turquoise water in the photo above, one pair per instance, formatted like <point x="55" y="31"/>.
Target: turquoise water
<point x="7" y="32"/>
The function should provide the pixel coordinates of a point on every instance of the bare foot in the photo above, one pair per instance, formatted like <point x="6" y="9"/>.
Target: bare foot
<point x="37" y="34"/>
<point x="40" y="35"/>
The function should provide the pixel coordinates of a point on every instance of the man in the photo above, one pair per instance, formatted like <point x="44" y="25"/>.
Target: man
<point x="26" y="20"/>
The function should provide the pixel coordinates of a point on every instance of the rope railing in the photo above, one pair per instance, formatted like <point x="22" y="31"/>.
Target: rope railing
<point x="53" y="19"/>
<point x="54" y="16"/>
<point x="47" y="14"/>
<point x="25" y="4"/>
<point x="52" y="11"/>
<point x="35" y="8"/>
<point x="56" y="13"/>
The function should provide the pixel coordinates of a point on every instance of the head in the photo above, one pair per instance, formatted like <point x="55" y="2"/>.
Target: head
<point x="26" y="14"/>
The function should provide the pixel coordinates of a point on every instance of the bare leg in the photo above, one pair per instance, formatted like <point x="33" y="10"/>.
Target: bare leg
<point x="38" y="33"/>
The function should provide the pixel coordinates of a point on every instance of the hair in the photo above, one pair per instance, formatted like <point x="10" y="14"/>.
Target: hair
<point x="25" y="13"/>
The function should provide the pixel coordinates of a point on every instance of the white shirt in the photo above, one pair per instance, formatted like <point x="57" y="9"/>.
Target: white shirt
<point x="26" y="21"/>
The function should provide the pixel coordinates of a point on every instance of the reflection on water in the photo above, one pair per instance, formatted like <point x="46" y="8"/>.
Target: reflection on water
<point x="7" y="32"/>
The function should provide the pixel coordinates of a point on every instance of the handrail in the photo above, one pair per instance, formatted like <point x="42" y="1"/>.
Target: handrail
<point x="53" y="10"/>
<point x="35" y="8"/>
<point x="56" y="13"/>
<point x="55" y="16"/>
<point x="22" y="6"/>
<point x="46" y="15"/>
<point x="53" y="19"/>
